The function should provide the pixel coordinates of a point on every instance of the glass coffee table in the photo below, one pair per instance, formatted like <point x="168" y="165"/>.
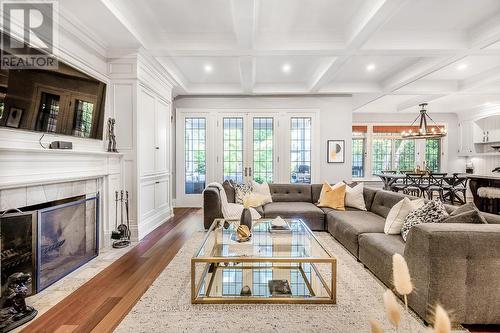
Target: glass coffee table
<point x="273" y="267"/>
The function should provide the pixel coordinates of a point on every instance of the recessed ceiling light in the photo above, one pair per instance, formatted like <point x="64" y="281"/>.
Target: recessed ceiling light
<point x="208" y="68"/>
<point x="286" y="68"/>
<point x="462" y="66"/>
<point x="370" y="67"/>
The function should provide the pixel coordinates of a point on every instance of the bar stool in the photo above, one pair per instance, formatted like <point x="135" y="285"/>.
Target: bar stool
<point x="489" y="199"/>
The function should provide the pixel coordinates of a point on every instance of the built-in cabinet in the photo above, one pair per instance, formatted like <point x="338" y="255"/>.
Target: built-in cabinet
<point x="476" y="137"/>
<point x="142" y="108"/>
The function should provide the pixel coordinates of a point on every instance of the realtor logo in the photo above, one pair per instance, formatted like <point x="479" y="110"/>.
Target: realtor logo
<point x="29" y="34"/>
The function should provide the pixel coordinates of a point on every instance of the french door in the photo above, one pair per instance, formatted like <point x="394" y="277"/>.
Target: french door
<point x="247" y="147"/>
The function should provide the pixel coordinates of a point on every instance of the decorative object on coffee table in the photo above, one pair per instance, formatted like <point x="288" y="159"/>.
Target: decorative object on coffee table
<point x="246" y="218"/>
<point x="246" y="291"/>
<point x="279" y="288"/>
<point x="13" y="311"/>
<point x="243" y="233"/>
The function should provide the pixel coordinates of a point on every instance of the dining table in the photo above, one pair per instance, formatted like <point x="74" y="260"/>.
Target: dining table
<point x="391" y="179"/>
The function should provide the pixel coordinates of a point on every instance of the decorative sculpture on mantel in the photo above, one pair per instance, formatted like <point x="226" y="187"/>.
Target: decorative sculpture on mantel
<point x="111" y="136"/>
<point x="13" y="309"/>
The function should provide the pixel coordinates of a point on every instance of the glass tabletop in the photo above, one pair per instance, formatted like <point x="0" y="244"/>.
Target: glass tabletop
<point x="298" y="243"/>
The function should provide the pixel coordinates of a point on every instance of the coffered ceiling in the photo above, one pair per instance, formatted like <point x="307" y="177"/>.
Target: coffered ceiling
<point x="389" y="54"/>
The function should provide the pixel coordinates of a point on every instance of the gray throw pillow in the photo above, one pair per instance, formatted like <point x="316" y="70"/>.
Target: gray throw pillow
<point x="467" y="213"/>
<point x="230" y="191"/>
<point x="432" y="212"/>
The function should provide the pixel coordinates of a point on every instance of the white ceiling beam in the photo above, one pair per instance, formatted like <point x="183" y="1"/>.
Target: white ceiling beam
<point x="368" y="20"/>
<point x="247" y="74"/>
<point x="485" y="33"/>
<point x="245" y="21"/>
<point x="415" y="101"/>
<point x="481" y="79"/>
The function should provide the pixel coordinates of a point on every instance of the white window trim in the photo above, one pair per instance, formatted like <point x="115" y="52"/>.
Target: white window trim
<point x="419" y="149"/>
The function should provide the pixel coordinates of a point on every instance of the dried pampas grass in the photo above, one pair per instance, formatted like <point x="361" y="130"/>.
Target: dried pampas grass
<point x="442" y="323"/>
<point x="375" y="326"/>
<point x="392" y="308"/>
<point x="401" y="277"/>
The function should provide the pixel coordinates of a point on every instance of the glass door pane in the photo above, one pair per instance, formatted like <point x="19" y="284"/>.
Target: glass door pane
<point x="263" y="132"/>
<point x="300" y="149"/>
<point x="195" y="155"/>
<point x="233" y="148"/>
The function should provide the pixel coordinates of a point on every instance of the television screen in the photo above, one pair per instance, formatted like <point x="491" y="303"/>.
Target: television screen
<point x="63" y="101"/>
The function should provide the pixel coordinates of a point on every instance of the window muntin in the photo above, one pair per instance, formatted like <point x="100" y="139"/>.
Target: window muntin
<point x="233" y="149"/>
<point x="195" y="154"/>
<point x="300" y="149"/>
<point x="263" y="149"/>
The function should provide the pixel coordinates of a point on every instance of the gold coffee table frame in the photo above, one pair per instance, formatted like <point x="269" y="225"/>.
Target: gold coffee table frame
<point x="217" y="261"/>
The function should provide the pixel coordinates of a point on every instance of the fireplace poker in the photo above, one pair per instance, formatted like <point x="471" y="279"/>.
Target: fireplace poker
<point x="115" y="234"/>
<point x="126" y="210"/>
<point x="122" y="229"/>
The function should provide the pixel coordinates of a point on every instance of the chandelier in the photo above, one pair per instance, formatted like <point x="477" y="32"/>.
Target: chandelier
<point x="424" y="131"/>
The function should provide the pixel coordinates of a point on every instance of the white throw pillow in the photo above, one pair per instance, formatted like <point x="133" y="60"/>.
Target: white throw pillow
<point x="263" y="190"/>
<point x="354" y="197"/>
<point x="398" y="213"/>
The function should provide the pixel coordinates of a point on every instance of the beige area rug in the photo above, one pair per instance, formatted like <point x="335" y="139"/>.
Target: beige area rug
<point x="166" y="306"/>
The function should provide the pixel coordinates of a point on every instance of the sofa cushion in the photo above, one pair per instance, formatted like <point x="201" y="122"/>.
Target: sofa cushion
<point x="260" y="210"/>
<point x="375" y="252"/>
<point x="384" y="201"/>
<point x="369" y="194"/>
<point x="291" y="192"/>
<point x="313" y="217"/>
<point x="347" y="226"/>
<point x="432" y="212"/>
<point x="316" y="192"/>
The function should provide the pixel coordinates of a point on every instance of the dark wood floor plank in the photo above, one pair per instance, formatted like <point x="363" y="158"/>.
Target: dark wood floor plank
<point x="102" y="302"/>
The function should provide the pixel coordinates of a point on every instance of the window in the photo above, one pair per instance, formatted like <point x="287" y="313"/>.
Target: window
<point x="358" y="154"/>
<point x="387" y="151"/>
<point x="300" y="150"/>
<point x="82" y="123"/>
<point x="194" y="148"/>
<point x="381" y="155"/>
<point x="232" y="282"/>
<point x="47" y="115"/>
<point x="233" y="149"/>
<point x="433" y="154"/>
<point x="263" y="150"/>
<point x="404" y="155"/>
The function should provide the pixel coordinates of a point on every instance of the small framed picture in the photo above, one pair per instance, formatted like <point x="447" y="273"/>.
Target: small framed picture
<point x="15" y="116"/>
<point x="335" y="151"/>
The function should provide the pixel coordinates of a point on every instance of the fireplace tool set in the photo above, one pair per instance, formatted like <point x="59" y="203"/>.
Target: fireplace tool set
<point x="121" y="234"/>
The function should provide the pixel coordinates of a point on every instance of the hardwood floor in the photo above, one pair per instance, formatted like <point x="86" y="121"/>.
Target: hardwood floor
<point x="101" y="303"/>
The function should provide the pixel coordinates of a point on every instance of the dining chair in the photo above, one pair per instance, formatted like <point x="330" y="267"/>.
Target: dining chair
<point x="413" y="184"/>
<point x="457" y="189"/>
<point x="435" y="185"/>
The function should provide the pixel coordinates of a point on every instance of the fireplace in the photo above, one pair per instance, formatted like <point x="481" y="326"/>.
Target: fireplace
<point x="50" y="240"/>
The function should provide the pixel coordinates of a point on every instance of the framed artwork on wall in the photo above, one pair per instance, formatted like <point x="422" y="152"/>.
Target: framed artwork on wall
<point x="335" y="151"/>
<point x="14" y="118"/>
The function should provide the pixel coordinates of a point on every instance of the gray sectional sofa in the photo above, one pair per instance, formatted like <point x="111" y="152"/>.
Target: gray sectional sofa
<point x="454" y="264"/>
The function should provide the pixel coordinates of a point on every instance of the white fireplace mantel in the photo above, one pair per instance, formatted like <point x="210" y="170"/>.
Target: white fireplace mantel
<point x="37" y="166"/>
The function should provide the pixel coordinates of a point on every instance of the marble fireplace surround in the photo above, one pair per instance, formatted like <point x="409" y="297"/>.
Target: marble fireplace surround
<point x="30" y="176"/>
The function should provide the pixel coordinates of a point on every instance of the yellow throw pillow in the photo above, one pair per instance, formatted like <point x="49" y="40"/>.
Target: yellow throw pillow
<point x="332" y="197"/>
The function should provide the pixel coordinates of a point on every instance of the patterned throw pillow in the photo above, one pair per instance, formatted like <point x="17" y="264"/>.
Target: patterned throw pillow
<point x="432" y="212"/>
<point x="242" y="190"/>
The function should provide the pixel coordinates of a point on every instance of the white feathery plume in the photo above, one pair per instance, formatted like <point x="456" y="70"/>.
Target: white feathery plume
<point x="442" y="322"/>
<point x="392" y="308"/>
<point x="375" y="326"/>
<point x="401" y="277"/>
